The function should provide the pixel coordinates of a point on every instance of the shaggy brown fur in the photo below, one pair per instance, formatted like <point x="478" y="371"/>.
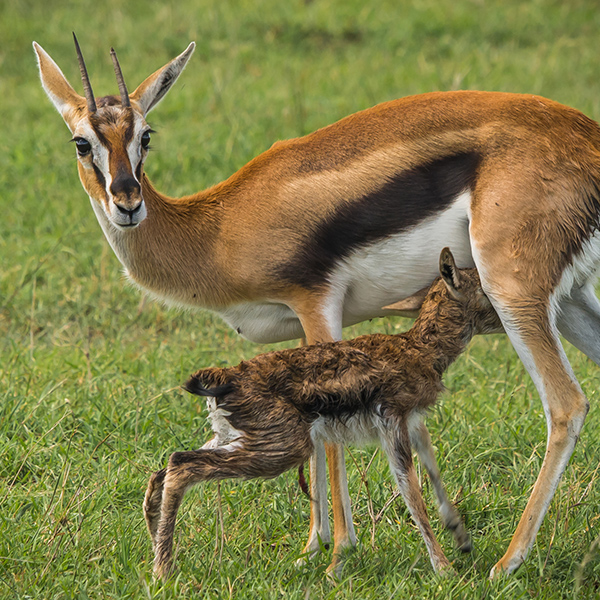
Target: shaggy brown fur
<point x="269" y="411"/>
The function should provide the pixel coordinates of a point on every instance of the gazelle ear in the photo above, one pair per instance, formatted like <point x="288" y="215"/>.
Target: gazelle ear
<point x="66" y="100"/>
<point x="409" y="307"/>
<point x="152" y="90"/>
<point x="450" y="274"/>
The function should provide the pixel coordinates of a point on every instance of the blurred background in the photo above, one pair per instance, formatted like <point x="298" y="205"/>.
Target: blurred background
<point x="89" y="403"/>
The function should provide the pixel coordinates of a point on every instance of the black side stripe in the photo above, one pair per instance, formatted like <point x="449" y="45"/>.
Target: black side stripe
<point x="402" y="202"/>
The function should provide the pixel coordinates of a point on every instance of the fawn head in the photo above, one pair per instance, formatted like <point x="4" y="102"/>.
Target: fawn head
<point x="457" y="294"/>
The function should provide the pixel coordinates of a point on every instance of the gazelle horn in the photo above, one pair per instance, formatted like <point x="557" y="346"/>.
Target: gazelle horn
<point x="120" y="81"/>
<point x="87" y="86"/>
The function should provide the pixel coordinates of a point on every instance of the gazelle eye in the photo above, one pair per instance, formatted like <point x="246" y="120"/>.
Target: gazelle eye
<point x="145" y="139"/>
<point x="83" y="146"/>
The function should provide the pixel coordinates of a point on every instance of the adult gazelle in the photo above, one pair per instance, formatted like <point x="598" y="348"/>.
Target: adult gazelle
<point x="322" y="231"/>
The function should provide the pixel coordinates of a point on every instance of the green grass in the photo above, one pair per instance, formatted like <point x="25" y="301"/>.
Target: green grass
<point x="89" y="403"/>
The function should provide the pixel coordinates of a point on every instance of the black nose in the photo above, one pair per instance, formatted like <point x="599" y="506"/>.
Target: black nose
<point x="130" y="212"/>
<point x="125" y="185"/>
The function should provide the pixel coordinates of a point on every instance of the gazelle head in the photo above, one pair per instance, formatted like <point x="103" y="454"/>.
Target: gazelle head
<point x="111" y="134"/>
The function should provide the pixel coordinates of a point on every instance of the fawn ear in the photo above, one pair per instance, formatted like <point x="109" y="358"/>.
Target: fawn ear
<point x="450" y="274"/>
<point x="409" y="307"/>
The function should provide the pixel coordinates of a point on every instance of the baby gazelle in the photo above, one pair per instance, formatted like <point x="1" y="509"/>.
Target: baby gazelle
<point x="268" y="413"/>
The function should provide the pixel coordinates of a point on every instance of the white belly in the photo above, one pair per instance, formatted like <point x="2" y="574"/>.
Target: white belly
<point x="401" y="265"/>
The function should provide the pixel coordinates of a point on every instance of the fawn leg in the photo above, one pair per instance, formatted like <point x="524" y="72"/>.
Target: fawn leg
<point x="153" y="497"/>
<point x="152" y="503"/>
<point x="421" y="441"/>
<point x="398" y="450"/>
<point x="319" y="523"/>
<point x="186" y="469"/>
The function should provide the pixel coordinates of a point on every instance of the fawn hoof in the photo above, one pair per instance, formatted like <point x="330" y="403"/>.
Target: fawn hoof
<point x="447" y="571"/>
<point x="463" y="540"/>
<point x="460" y="533"/>
<point x="163" y="573"/>
<point x="163" y="570"/>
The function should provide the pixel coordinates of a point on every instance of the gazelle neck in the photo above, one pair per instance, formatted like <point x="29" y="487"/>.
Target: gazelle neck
<point x="166" y="251"/>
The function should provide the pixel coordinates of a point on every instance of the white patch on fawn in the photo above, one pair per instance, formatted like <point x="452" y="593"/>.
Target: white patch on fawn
<point x="357" y="430"/>
<point x="226" y="437"/>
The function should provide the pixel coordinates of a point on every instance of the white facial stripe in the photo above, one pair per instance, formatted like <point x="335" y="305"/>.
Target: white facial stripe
<point x="134" y="149"/>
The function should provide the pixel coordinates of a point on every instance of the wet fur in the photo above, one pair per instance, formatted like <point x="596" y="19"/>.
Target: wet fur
<point x="372" y="388"/>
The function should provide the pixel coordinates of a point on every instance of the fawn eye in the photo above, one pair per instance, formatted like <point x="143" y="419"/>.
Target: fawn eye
<point x="145" y="139"/>
<point x="83" y="146"/>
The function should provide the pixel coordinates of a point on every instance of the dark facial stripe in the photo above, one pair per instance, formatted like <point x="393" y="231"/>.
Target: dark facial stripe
<point x="129" y="131"/>
<point x="99" y="177"/>
<point x="401" y="203"/>
<point x="138" y="171"/>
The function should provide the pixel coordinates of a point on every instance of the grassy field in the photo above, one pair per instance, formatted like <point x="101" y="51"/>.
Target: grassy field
<point x="89" y="374"/>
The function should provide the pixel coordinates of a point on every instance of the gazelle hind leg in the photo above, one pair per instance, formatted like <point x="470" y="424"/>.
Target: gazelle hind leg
<point x="398" y="450"/>
<point x="530" y="325"/>
<point x="565" y="407"/>
<point x="579" y="321"/>
<point x="421" y="442"/>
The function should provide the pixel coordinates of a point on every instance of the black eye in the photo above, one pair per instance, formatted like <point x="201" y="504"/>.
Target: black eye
<point x="145" y="139"/>
<point x="83" y="146"/>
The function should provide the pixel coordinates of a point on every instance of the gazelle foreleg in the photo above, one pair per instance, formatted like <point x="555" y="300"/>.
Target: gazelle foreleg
<point x="319" y="532"/>
<point x="344" y="537"/>
<point x="579" y="320"/>
<point x="535" y="338"/>
<point x="320" y="328"/>
<point x="421" y="442"/>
